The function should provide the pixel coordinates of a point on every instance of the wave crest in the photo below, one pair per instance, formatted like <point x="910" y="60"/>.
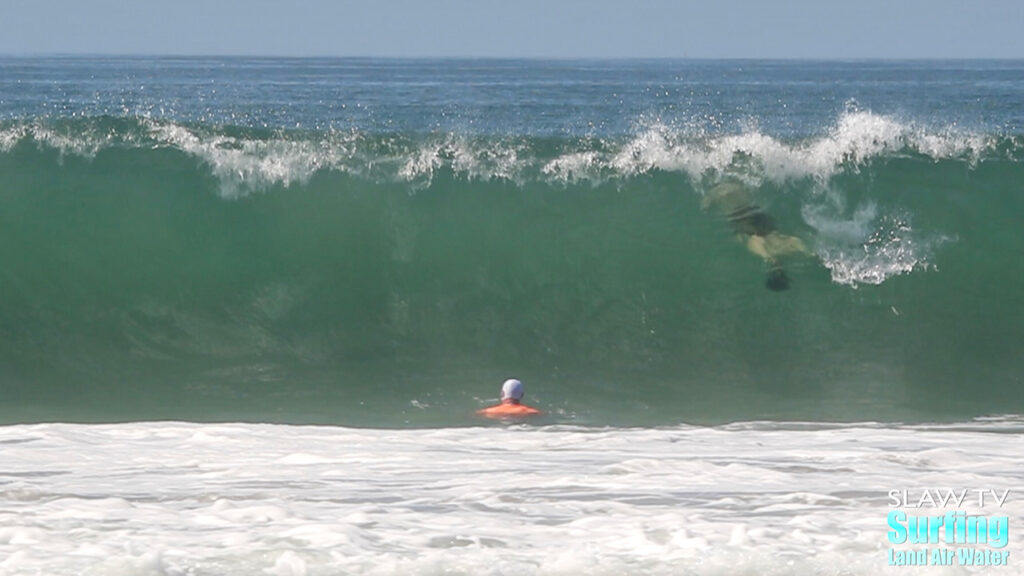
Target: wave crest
<point x="857" y="138"/>
<point x="245" y="160"/>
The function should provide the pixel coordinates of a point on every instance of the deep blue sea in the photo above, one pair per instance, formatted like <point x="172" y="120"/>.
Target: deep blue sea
<point x="249" y="307"/>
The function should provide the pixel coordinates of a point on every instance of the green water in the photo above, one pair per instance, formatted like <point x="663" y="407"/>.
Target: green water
<point x="382" y="243"/>
<point x="133" y="289"/>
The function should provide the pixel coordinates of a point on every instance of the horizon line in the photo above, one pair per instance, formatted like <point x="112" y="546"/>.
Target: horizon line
<point x="169" y="55"/>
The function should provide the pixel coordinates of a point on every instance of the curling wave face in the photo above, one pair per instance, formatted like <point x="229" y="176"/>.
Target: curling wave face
<point x="859" y="243"/>
<point x="175" y="231"/>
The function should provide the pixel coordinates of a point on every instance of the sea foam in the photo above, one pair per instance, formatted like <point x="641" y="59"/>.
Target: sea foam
<point x="251" y="161"/>
<point x="764" y="498"/>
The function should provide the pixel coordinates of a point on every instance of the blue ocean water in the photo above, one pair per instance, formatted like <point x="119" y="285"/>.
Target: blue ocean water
<point x="383" y="242"/>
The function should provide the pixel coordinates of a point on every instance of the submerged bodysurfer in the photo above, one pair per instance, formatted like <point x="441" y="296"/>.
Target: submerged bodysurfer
<point x="511" y="403"/>
<point x="733" y="200"/>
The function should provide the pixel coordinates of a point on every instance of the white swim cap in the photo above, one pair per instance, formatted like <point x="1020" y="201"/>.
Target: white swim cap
<point x="512" y="389"/>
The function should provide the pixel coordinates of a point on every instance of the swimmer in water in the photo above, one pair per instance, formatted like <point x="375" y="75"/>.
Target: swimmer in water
<point x="751" y="223"/>
<point x="511" y="403"/>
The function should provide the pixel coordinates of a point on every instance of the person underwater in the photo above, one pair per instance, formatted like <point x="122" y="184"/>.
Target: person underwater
<point x="511" y="403"/>
<point x="751" y="223"/>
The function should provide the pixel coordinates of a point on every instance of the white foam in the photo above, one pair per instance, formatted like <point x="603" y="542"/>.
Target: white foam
<point x="857" y="138"/>
<point x="466" y="158"/>
<point x="868" y="247"/>
<point x="758" y="498"/>
<point x="11" y="136"/>
<point x="245" y="164"/>
<point x="86" y="144"/>
<point x="572" y="167"/>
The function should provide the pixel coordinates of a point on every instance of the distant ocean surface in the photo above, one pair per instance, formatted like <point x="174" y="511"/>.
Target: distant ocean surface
<point x="248" y="308"/>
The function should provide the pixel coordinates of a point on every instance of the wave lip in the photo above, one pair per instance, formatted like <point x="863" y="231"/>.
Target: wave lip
<point x="243" y="164"/>
<point x="857" y="138"/>
<point x="247" y="159"/>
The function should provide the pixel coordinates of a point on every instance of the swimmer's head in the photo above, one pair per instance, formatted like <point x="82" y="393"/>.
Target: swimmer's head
<point x="512" y="390"/>
<point x="777" y="280"/>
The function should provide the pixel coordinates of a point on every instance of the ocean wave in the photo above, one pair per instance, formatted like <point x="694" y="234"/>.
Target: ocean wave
<point x="245" y="161"/>
<point x="868" y="246"/>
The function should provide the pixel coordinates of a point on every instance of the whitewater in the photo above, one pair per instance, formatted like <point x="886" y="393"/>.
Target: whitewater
<point x="753" y="498"/>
